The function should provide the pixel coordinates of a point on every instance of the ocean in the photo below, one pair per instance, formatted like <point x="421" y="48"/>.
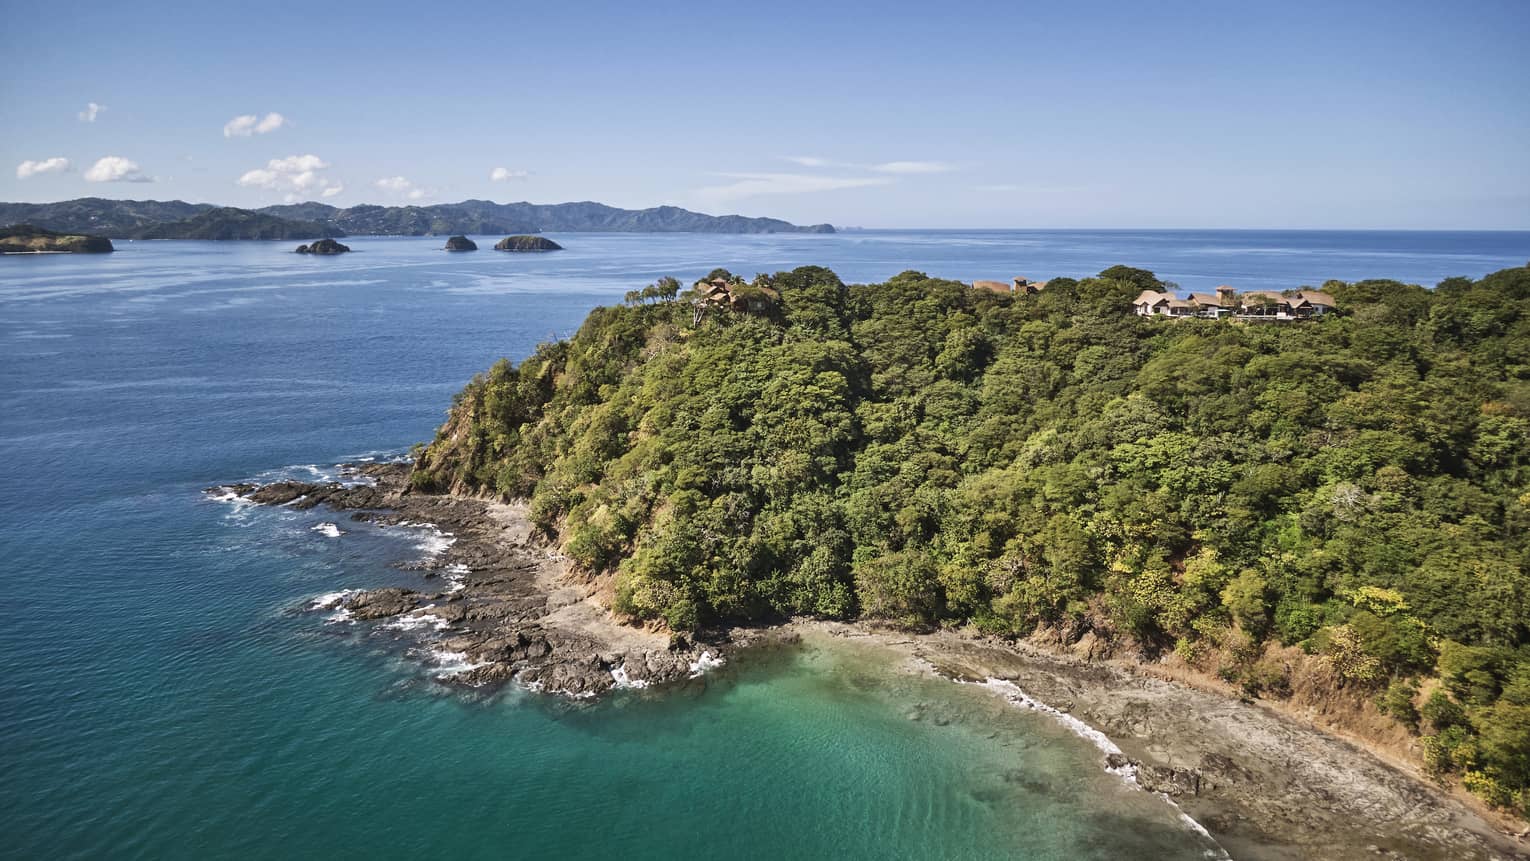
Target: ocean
<point x="166" y="694"/>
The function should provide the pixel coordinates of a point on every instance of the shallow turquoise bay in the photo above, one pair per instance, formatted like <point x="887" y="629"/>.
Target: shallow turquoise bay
<point x="165" y="698"/>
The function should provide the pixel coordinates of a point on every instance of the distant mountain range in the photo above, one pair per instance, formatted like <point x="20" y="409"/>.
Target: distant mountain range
<point x="175" y="219"/>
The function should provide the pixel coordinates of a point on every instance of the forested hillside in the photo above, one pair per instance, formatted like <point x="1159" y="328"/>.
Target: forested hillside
<point x="922" y="452"/>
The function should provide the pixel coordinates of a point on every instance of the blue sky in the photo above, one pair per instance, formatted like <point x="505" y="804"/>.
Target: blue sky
<point x="1019" y="114"/>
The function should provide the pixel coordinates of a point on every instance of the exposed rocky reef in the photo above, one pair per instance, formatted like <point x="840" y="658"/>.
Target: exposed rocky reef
<point x="323" y="246"/>
<point x="496" y="596"/>
<point x="527" y="243"/>
<point x="26" y="239"/>
<point x="461" y="243"/>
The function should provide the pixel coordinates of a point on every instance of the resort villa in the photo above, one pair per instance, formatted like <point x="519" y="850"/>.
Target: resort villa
<point x="1226" y="302"/>
<point x="1019" y="287"/>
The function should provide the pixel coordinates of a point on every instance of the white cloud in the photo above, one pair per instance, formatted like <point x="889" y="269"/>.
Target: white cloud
<point x="297" y="163"/>
<point x="251" y="124"/>
<point x="504" y="174"/>
<point x="753" y="184"/>
<point x="900" y="168"/>
<point x="401" y="187"/>
<point x="115" y="168"/>
<point x="57" y="164"/>
<point x="1034" y="190"/>
<point x="910" y="167"/>
<point x="259" y="179"/>
<point x="90" y="113"/>
<point x="298" y="176"/>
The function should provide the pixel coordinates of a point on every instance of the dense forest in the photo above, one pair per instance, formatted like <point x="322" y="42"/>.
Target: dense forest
<point x="929" y="454"/>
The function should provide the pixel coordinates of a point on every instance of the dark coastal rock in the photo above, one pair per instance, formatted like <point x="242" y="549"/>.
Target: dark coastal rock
<point x="26" y="239"/>
<point x="323" y="246"/>
<point x="1172" y="782"/>
<point x="382" y="603"/>
<point x="280" y="493"/>
<point x="461" y="243"/>
<point x="527" y="243"/>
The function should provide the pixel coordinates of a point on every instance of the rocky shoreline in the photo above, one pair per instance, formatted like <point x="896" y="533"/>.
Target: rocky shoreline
<point x="1264" y="785"/>
<point x="502" y="601"/>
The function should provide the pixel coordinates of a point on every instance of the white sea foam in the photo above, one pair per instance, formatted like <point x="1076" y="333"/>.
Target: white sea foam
<point x="418" y="620"/>
<point x="239" y="506"/>
<point x="707" y="661"/>
<point x="331" y="600"/>
<point x="433" y="542"/>
<point x="620" y="679"/>
<point x="1013" y="692"/>
<point x="449" y="663"/>
<point x="455" y="575"/>
<point x="1128" y="772"/>
<point x="328" y="529"/>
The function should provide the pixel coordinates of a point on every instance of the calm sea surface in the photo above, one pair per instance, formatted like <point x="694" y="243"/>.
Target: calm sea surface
<point x="163" y="697"/>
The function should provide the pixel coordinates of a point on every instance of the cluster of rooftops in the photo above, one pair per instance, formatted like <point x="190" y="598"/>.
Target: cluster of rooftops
<point x="734" y="294"/>
<point x="1227" y="302"/>
<point x="1224" y="302"/>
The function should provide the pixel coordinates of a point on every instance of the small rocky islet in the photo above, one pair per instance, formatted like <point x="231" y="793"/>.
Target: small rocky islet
<point x="527" y="243"/>
<point x="323" y="246"/>
<point x="461" y="243"/>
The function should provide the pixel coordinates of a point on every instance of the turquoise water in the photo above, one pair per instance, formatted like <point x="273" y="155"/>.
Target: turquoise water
<point x="164" y="696"/>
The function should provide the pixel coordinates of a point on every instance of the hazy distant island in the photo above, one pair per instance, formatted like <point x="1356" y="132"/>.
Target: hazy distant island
<point x="27" y="239"/>
<point x="527" y="243"/>
<point x="175" y="219"/>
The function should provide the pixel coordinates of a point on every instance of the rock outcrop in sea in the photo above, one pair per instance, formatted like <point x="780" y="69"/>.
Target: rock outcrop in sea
<point x="461" y="243"/>
<point x="323" y="246"/>
<point x="527" y="243"/>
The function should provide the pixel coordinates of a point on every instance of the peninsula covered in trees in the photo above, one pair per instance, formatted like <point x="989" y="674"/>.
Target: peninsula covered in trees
<point x="1337" y="511"/>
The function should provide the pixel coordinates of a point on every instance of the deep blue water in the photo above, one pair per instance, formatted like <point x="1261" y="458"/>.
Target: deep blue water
<point x="162" y="698"/>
